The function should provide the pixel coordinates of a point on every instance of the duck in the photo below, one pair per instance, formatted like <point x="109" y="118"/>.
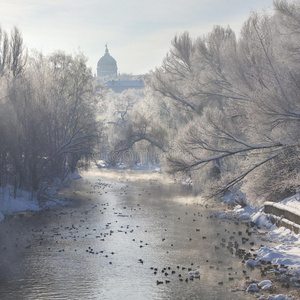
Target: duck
<point x="196" y="272"/>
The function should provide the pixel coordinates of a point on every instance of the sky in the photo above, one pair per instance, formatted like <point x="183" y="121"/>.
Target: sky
<point x="138" y="33"/>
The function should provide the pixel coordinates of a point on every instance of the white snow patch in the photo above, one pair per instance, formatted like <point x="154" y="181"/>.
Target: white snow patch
<point x="279" y="297"/>
<point x="24" y="201"/>
<point x="252" y="288"/>
<point x="252" y="263"/>
<point x="264" y="282"/>
<point x="244" y="213"/>
<point x="234" y="196"/>
<point x="267" y="287"/>
<point x="288" y="255"/>
<point x="292" y="202"/>
<point x="261" y="219"/>
<point x="223" y="216"/>
<point x="287" y="243"/>
<point x="13" y="202"/>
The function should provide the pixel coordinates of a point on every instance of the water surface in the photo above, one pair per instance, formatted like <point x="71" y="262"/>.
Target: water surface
<point x="126" y="236"/>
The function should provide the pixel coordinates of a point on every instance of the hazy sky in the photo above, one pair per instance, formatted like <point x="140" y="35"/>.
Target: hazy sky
<point x="138" y="32"/>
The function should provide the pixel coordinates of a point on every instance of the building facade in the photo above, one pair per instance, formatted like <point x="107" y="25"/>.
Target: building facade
<point x="118" y="86"/>
<point x="107" y="75"/>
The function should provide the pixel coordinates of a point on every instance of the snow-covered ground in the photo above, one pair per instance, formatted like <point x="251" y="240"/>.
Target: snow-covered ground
<point x="8" y="204"/>
<point x="283" y="248"/>
<point x="124" y="166"/>
<point x="287" y="248"/>
<point x="25" y="201"/>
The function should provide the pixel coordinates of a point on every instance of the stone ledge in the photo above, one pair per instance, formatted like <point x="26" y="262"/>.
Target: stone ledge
<point x="285" y="216"/>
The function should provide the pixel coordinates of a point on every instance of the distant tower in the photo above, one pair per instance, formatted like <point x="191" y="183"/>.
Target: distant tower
<point x="107" y="65"/>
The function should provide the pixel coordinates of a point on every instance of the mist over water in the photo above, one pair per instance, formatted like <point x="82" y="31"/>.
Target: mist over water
<point x="129" y="235"/>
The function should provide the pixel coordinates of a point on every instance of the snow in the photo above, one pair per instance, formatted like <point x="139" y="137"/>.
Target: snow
<point x="252" y="263"/>
<point x="278" y="297"/>
<point x="287" y="248"/>
<point x="292" y="202"/>
<point x="267" y="287"/>
<point x="264" y="282"/>
<point x="25" y="201"/>
<point x="244" y="213"/>
<point x="252" y="288"/>
<point x="283" y="244"/>
<point x="282" y="254"/>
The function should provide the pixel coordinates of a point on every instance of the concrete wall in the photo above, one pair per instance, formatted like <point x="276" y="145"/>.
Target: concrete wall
<point x="284" y="216"/>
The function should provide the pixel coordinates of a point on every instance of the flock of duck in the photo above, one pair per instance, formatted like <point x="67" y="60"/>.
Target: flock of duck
<point x="121" y="220"/>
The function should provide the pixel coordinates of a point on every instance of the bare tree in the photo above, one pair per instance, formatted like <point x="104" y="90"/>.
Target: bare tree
<point x="18" y="53"/>
<point x="48" y="113"/>
<point x="252" y="134"/>
<point x="131" y="131"/>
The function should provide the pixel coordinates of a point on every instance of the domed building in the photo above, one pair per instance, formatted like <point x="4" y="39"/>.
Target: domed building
<point x="107" y="75"/>
<point x="107" y="65"/>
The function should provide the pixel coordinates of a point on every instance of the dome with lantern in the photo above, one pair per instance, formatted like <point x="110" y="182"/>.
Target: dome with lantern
<point x="107" y="65"/>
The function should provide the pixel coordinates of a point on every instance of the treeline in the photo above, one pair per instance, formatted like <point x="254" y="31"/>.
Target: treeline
<point x="48" y="114"/>
<point x="229" y="107"/>
<point x="130" y="135"/>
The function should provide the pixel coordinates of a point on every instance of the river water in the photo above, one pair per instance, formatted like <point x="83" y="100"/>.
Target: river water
<point x="125" y="235"/>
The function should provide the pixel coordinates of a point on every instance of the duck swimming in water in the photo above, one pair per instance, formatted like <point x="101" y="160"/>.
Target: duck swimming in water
<point x="196" y="272"/>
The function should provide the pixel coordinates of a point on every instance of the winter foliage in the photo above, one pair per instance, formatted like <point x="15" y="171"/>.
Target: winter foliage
<point x="48" y="117"/>
<point x="228" y="107"/>
<point x="241" y="96"/>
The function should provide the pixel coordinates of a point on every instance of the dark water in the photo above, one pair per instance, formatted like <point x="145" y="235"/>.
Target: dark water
<point x="109" y="243"/>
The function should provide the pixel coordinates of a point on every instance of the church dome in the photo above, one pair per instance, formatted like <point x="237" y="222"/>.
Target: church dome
<point x="107" y="65"/>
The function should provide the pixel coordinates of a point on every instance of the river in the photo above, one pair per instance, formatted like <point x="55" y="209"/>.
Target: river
<point x="125" y="235"/>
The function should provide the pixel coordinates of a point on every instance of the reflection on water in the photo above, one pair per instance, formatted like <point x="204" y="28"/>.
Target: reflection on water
<point x="127" y="237"/>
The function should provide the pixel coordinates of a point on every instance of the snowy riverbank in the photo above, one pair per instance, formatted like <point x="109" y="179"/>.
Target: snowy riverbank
<point x="281" y="259"/>
<point x="287" y="250"/>
<point x="25" y="201"/>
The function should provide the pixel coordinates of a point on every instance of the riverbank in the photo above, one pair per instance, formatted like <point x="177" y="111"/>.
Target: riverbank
<point x="21" y="201"/>
<point x="280" y="260"/>
<point x="287" y="250"/>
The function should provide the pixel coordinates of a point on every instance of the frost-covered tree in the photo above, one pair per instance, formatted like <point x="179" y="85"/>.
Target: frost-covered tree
<point x="48" y="114"/>
<point x="240" y="101"/>
<point x="132" y="135"/>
